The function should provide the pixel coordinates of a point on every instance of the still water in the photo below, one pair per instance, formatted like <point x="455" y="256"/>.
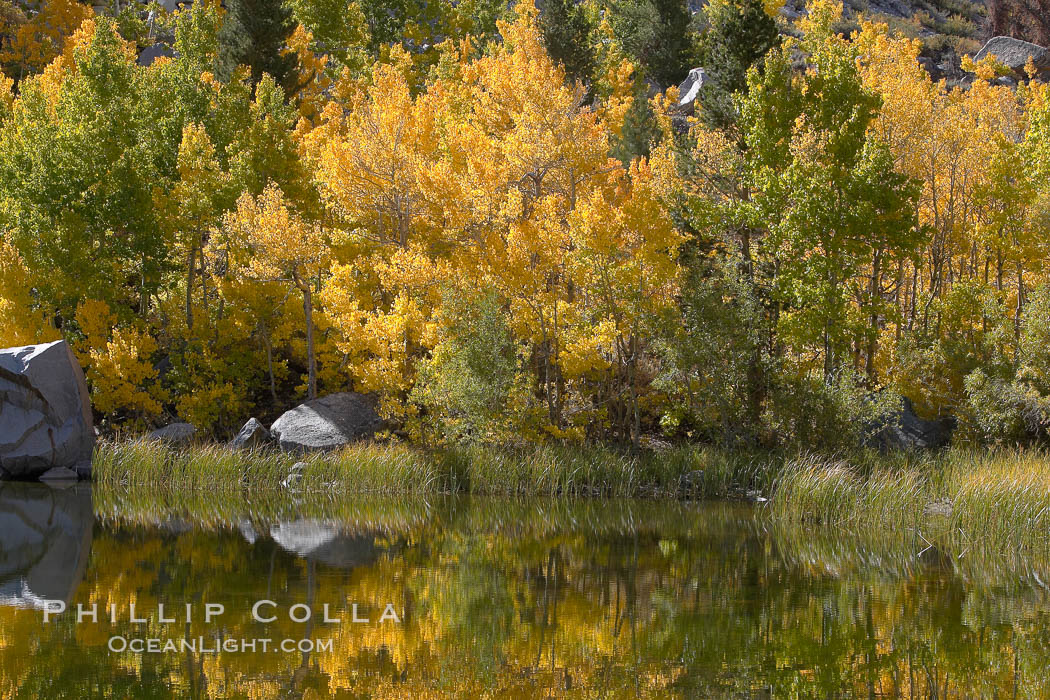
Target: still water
<point x="493" y="598"/>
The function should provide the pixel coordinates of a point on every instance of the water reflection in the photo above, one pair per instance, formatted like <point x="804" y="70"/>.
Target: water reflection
<point x="45" y="538"/>
<point x="325" y="542"/>
<point x="509" y="599"/>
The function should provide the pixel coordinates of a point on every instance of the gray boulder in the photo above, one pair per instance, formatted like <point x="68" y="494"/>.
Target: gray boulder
<point x="45" y="413"/>
<point x="904" y="430"/>
<point x="689" y="90"/>
<point x="294" y="478"/>
<point x="1014" y="53"/>
<point x="58" y="475"/>
<point x="174" y="434"/>
<point x="152" y="53"/>
<point x="253" y="434"/>
<point x="326" y="423"/>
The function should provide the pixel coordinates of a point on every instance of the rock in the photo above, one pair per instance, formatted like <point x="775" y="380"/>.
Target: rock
<point x="45" y="415"/>
<point x="174" y="434"/>
<point x="173" y="5"/>
<point x="689" y="90"/>
<point x="932" y="67"/>
<point x="152" y="53"/>
<point x="691" y="482"/>
<point x="59" y="474"/>
<point x="83" y="470"/>
<point x="253" y="434"/>
<point x="904" y="430"/>
<point x="1014" y="53"/>
<point x="756" y="497"/>
<point x="45" y="540"/>
<point x="295" y="476"/>
<point x="326" y="423"/>
<point x="655" y="444"/>
<point x="938" y="508"/>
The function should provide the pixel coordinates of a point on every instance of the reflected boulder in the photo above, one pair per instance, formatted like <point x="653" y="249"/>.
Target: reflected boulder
<point x="324" y="542"/>
<point x="45" y="412"/>
<point x="58" y="475"/>
<point x="326" y="423"/>
<point x="45" y="539"/>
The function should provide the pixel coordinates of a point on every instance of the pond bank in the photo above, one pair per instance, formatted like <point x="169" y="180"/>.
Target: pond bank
<point x="954" y="499"/>
<point x="689" y="472"/>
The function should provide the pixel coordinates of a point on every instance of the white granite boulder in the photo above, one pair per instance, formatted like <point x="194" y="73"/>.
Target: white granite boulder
<point x="45" y="412"/>
<point x="327" y="423"/>
<point x="1014" y="53"/>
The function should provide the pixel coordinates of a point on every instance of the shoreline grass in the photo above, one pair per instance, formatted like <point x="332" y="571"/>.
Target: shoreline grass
<point x="371" y="468"/>
<point x="956" y="501"/>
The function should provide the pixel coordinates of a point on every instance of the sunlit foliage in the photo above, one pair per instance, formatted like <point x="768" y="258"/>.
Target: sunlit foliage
<point x="830" y="226"/>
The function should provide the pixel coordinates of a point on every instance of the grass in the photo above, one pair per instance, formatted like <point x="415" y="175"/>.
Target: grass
<point x="372" y="468"/>
<point x="957" y="501"/>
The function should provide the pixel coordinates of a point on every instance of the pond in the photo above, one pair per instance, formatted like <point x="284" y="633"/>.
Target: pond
<point x="480" y="598"/>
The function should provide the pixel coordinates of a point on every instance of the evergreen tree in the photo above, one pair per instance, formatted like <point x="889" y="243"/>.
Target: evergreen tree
<point x="255" y="34"/>
<point x="658" y="36"/>
<point x="568" y="36"/>
<point x="736" y="35"/>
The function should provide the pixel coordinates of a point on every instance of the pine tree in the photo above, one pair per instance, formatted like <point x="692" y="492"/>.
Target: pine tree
<point x="657" y="33"/>
<point x="255" y="34"/>
<point x="736" y="35"/>
<point x="567" y="34"/>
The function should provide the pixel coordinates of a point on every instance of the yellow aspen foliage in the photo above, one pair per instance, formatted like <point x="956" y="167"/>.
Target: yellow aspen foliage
<point x="496" y="177"/>
<point x="313" y="76"/>
<point x="976" y="203"/>
<point x="191" y="208"/>
<point x="772" y="7"/>
<point x="208" y="405"/>
<point x="21" y="321"/>
<point x="33" y="45"/>
<point x="7" y="95"/>
<point x="942" y="136"/>
<point x="118" y="361"/>
<point x="368" y="161"/>
<point x="381" y="345"/>
<point x="282" y="247"/>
